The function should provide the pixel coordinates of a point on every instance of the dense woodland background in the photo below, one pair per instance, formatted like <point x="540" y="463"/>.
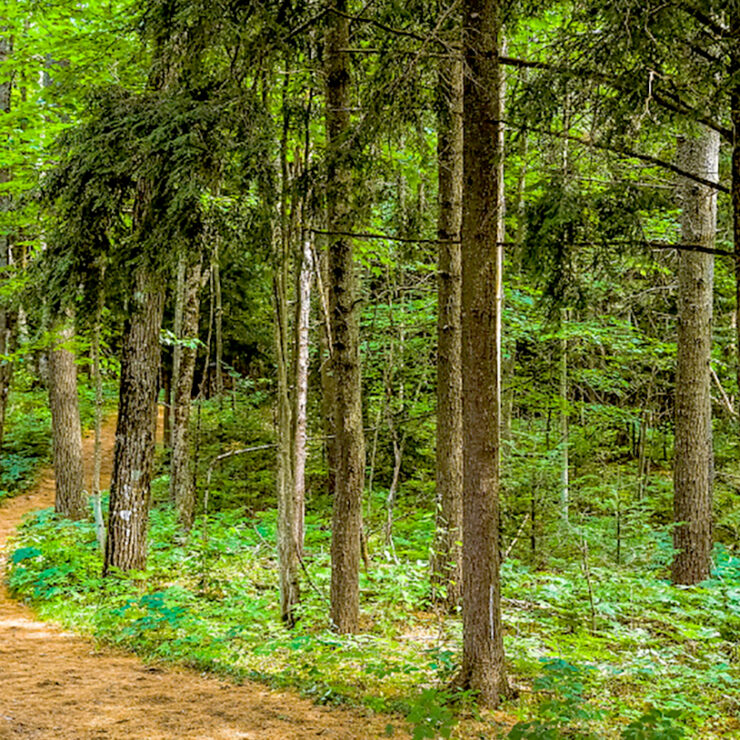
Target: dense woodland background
<point x="439" y="303"/>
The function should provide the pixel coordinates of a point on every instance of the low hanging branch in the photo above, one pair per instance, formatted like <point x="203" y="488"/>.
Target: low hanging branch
<point x="651" y="244"/>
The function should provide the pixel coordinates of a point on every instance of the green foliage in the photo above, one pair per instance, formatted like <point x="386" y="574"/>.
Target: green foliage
<point x="211" y="602"/>
<point x="431" y="715"/>
<point x="565" y="711"/>
<point x="655" y="725"/>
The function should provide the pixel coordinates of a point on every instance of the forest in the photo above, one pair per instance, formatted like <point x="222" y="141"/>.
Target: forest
<point x="401" y="344"/>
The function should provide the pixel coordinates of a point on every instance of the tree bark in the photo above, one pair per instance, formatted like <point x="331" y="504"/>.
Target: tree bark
<point x="300" y="414"/>
<point x="483" y="651"/>
<point x="133" y="455"/>
<point x="287" y="555"/>
<point x="343" y="307"/>
<point x="447" y="557"/>
<point x="182" y="485"/>
<point x="169" y="381"/>
<point x="97" y="376"/>
<point x="218" y="319"/>
<point x="6" y="321"/>
<point x="66" y="428"/>
<point x="326" y="371"/>
<point x="564" y="442"/>
<point x="693" y="464"/>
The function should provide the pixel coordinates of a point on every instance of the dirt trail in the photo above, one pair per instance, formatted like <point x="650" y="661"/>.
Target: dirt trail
<point x="57" y="685"/>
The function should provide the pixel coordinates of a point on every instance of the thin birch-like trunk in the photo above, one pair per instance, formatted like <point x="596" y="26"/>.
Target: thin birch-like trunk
<point x="300" y="414"/>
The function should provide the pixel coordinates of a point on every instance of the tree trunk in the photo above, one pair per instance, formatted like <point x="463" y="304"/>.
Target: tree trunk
<point x="693" y="464"/>
<point x="66" y="428"/>
<point x="97" y="376"/>
<point x="182" y="485"/>
<point x="287" y="555"/>
<point x="734" y="23"/>
<point x="564" y="443"/>
<point x="169" y="382"/>
<point x="343" y="307"/>
<point x="6" y="322"/>
<point x="326" y="371"/>
<point x="300" y="414"/>
<point x="509" y="362"/>
<point x="483" y="650"/>
<point x="447" y="556"/>
<point x="133" y="456"/>
<point x="218" y="319"/>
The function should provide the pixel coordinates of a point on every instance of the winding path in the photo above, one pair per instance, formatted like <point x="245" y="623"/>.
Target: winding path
<point x="58" y="686"/>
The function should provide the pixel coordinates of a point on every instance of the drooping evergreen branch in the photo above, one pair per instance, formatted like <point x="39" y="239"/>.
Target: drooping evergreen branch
<point x="671" y="102"/>
<point x="628" y="153"/>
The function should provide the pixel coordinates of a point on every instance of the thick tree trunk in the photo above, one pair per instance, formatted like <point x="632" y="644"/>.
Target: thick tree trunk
<point x="135" y="431"/>
<point x="343" y="307"/>
<point x="66" y="428"/>
<point x="182" y="485"/>
<point x="693" y="464"/>
<point x="447" y="557"/>
<point x="483" y="651"/>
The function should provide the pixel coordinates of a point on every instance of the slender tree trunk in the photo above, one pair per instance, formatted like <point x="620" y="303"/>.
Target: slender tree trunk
<point x="169" y="383"/>
<point x="326" y="371"/>
<point x="509" y="362"/>
<point x="66" y="427"/>
<point x="483" y="651"/>
<point x="447" y="557"/>
<point x="287" y="554"/>
<point x="219" y="321"/>
<point x="734" y="23"/>
<point x="182" y="484"/>
<point x="343" y="306"/>
<point x="300" y="414"/>
<point x="693" y="464"/>
<point x="6" y="322"/>
<point x="133" y="455"/>
<point x="166" y="379"/>
<point x="95" y="350"/>
<point x="564" y="443"/>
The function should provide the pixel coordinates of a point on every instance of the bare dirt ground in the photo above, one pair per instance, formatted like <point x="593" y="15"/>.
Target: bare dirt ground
<point x="57" y="685"/>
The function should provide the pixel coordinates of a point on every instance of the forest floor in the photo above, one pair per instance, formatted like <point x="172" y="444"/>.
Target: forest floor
<point x="54" y="684"/>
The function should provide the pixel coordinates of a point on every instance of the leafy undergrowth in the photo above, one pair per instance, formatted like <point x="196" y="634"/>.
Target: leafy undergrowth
<point x="638" y="658"/>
